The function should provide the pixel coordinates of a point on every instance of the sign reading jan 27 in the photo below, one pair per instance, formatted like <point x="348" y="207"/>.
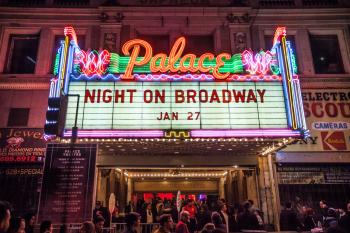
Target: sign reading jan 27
<point x="177" y="105"/>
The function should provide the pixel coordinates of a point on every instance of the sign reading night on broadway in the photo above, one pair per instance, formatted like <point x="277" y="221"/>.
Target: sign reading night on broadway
<point x="189" y="105"/>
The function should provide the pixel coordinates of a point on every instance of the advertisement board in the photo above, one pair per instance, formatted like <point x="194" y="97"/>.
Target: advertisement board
<point x="22" y="145"/>
<point x="327" y="113"/>
<point x="68" y="182"/>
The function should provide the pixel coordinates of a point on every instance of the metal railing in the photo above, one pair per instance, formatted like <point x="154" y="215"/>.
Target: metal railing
<point x="115" y="228"/>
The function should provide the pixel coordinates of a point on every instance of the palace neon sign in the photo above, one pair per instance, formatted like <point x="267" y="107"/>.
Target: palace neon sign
<point x="77" y="71"/>
<point x="221" y="67"/>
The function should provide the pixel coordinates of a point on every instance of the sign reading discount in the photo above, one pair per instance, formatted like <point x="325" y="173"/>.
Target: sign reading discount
<point x="177" y="105"/>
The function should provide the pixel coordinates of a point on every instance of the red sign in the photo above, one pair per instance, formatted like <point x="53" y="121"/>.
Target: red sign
<point x="333" y="140"/>
<point x="22" y="145"/>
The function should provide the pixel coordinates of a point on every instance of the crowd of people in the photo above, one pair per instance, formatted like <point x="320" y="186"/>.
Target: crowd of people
<point x="327" y="218"/>
<point x="234" y="218"/>
<point x="193" y="217"/>
<point x="206" y="217"/>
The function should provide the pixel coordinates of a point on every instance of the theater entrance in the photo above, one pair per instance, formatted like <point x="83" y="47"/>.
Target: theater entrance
<point x="200" y="169"/>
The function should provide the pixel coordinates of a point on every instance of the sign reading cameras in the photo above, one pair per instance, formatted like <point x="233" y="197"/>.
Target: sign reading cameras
<point x="327" y="114"/>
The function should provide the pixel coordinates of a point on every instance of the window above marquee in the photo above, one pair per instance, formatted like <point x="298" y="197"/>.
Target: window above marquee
<point x="22" y="54"/>
<point x="18" y="117"/>
<point x="326" y="55"/>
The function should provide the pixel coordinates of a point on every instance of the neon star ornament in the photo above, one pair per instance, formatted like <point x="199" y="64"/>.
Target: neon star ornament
<point x="93" y="62"/>
<point x="258" y="63"/>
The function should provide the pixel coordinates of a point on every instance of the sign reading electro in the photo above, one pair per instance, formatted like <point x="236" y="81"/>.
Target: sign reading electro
<point x="245" y="94"/>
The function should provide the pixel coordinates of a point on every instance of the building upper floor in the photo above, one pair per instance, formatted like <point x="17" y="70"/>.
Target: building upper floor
<point x="30" y="36"/>
<point x="184" y="3"/>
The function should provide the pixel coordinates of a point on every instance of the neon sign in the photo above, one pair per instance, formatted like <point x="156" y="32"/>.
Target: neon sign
<point x="258" y="64"/>
<point x="177" y="91"/>
<point x="93" y="62"/>
<point x="220" y="66"/>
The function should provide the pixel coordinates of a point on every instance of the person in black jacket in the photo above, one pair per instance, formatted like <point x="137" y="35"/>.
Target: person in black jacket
<point x="344" y="221"/>
<point x="217" y="221"/>
<point x="309" y="220"/>
<point x="101" y="211"/>
<point x="30" y="222"/>
<point x="203" y="217"/>
<point x="324" y="210"/>
<point x="247" y="220"/>
<point x="288" y="219"/>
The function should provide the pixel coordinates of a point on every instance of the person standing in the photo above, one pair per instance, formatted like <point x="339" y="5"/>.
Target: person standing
<point x="344" y="221"/>
<point x="224" y="215"/>
<point x="324" y="210"/>
<point x="166" y="224"/>
<point x="217" y="221"/>
<point x="192" y="210"/>
<point x="17" y="225"/>
<point x="331" y="220"/>
<point x="247" y="220"/>
<point x="181" y="226"/>
<point x="149" y="214"/>
<point x="5" y="216"/>
<point x="87" y="227"/>
<point x="46" y="227"/>
<point x="30" y="221"/>
<point x="132" y="221"/>
<point x="309" y="221"/>
<point x="101" y="211"/>
<point x="203" y="217"/>
<point x="99" y="221"/>
<point x="148" y="217"/>
<point x="289" y="219"/>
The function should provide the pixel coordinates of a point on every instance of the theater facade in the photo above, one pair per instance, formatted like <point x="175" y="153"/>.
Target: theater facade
<point x="172" y="105"/>
<point x="208" y="98"/>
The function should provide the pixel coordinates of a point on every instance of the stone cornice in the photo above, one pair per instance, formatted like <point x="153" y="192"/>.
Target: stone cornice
<point x="21" y="16"/>
<point x="325" y="81"/>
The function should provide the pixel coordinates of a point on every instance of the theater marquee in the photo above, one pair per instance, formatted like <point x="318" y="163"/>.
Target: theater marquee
<point x="145" y="95"/>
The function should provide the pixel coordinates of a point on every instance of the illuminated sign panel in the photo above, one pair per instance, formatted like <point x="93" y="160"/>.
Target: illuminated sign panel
<point x="143" y="94"/>
<point x="178" y="105"/>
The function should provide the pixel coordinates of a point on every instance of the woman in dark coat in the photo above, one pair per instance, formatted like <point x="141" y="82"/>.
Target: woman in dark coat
<point x="309" y="221"/>
<point x="203" y="217"/>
